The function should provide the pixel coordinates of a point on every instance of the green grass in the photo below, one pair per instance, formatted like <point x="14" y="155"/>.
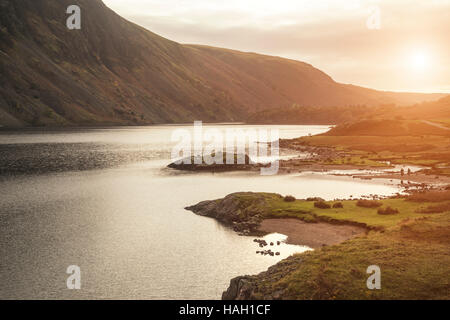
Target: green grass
<point x="353" y="160"/>
<point x="412" y="250"/>
<point x="413" y="266"/>
<point x="418" y="162"/>
<point x="425" y="150"/>
<point x="305" y="210"/>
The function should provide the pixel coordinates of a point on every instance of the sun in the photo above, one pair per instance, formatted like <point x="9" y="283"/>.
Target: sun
<point x="419" y="61"/>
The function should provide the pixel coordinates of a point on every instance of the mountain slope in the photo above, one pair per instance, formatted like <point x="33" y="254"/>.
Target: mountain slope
<point x="115" y="72"/>
<point x="437" y="111"/>
<point x="388" y="128"/>
<point x="433" y="110"/>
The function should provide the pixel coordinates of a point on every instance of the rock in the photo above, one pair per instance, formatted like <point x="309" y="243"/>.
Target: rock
<point x="240" y="289"/>
<point x="230" y="211"/>
<point x="277" y="295"/>
<point x="264" y="286"/>
<point x="188" y="164"/>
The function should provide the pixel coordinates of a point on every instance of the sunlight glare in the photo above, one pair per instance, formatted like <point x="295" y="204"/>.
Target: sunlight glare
<point x="419" y="61"/>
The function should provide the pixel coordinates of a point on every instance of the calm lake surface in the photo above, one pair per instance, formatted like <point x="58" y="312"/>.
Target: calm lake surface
<point x="103" y="199"/>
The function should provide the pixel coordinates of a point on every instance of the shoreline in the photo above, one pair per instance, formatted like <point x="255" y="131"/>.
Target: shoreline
<point x="417" y="177"/>
<point x="249" y="214"/>
<point x="313" y="235"/>
<point x="314" y="163"/>
<point x="335" y="260"/>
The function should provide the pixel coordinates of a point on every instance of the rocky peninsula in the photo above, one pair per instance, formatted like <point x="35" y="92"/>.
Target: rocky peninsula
<point x="396" y="232"/>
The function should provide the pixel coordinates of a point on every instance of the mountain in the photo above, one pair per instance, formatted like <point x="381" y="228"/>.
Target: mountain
<point x="115" y="72"/>
<point x="429" y="118"/>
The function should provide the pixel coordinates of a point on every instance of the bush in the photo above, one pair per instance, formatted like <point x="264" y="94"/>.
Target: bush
<point x="338" y="205"/>
<point x="439" y="208"/>
<point x="289" y="199"/>
<point x="430" y="196"/>
<point x="322" y="205"/>
<point x="387" y="211"/>
<point x="369" y="203"/>
<point x="315" y="199"/>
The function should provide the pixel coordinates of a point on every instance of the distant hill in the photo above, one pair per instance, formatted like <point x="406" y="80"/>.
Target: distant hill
<point x="434" y="110"/>
<point x="430" y="118"/>
<point x="115" y="72"/>
<point x="438" y="111"/>
<point x="310" y="115"/>
<point x="389" y="128"/>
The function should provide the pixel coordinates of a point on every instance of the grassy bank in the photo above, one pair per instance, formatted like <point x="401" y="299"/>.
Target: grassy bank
<point x="360" y="150"/>
<point x="275" y="206"/>
<point x="411" y="248"/>
<point x="413" y="256"/>
<point x="375" y="142"/>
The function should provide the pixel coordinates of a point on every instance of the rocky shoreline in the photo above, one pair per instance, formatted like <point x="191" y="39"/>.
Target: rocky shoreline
<point x="248" y="213"/>
<point x="244" y="219"/>
<point x="248" y="287"/>
<point x="306" y="158"/>
<point x="231" y="212"/>
<point x="348" y="233"/>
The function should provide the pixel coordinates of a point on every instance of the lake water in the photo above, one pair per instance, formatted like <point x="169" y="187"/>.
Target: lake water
<point x="103" y="199"/>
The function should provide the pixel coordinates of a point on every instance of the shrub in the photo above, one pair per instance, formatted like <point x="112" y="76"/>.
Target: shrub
<point x="430" y="196"/>
<point x="369" y="203"/>
<point x="338" y="205"/>
<point x="321" y="205"/>
<point x="439" y="208"/>
<point x="387" y="211"/>
<point x="315" y="199"/>
<point x="289" y="199"/>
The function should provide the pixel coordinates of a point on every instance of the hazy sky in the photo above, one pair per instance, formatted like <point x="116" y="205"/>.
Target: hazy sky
<point x="406" y="49"/>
